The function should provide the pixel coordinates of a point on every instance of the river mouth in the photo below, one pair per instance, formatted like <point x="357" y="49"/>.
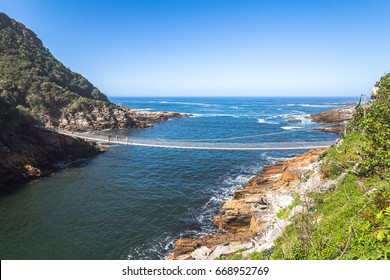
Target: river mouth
<point x="133" y="202"/>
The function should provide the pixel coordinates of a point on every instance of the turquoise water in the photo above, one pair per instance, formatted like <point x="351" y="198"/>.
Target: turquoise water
<point x="133" y="202"/>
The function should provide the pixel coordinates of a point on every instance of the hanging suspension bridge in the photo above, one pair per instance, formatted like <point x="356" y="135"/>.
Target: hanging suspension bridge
<point x="200" y="144"/>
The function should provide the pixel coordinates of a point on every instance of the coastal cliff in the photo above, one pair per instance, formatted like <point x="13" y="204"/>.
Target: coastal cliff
<point x="324" y="204"/>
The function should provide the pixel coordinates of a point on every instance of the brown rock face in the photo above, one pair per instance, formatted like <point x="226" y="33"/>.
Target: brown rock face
<point x="28" y="152"/>
<point x="34" y="153"/>
<point x="246" y="215"/>
<point x="335" y="116"/>
<point x="234" y="215"/>
<point x="184" y="247"/>
<point x="295" y="121"/>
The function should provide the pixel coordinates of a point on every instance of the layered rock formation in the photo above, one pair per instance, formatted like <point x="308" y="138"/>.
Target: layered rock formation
<point x="336" y="118"/>
<point x="249" y="219"/>
<point x="102" y="116"/>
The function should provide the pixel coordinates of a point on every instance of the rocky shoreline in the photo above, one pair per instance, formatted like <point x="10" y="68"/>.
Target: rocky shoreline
<point x="335" y="119"/>
<point x="36" y="153"/>
<point x="250" y="219"/>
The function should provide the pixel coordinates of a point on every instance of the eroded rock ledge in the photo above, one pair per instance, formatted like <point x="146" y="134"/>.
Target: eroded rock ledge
<point x="335" y="118"/>
<point x="249" y="218"/>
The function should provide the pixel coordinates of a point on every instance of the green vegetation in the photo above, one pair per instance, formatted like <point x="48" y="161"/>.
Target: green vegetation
<point x="31" y="78"/>
<point x="347" y="224"/>
<point x="337" y="160"/>
<point x="351" y="221"/>
<point x="375" y="131"/>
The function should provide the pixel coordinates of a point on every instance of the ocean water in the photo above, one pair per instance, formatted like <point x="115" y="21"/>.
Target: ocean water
<point x="134" y="202"/>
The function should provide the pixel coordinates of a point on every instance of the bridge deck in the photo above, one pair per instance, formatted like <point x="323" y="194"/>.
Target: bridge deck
<point x="206" y="146"/>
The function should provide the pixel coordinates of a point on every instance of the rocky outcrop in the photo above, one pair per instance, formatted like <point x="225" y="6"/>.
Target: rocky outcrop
<point x="295" y="121"/>
<point x="249" y="219"/>
<point x="336" y="118"/>
<point x="374" y="93"/>
<point x="28" y="152"/>
<point x="35" y="154"/>
<point x="103" y="115"/>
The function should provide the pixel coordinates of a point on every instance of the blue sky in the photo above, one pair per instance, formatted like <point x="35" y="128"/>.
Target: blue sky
<point x="216" y="47"/>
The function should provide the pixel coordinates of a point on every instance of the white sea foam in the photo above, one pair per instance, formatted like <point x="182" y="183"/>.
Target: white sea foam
<point x="298" y="115"/>
<point x="183" y="103"/>
<point x="217" y="115"/>
<point x="155" y="249"/>
<point x="271" y="159"/>
<point x="310" y="105"/>
<point x="318" y="105"/>
<point x="304" y="118"/>
<point x="282" y="116"/>
<point x="144" y="109"/>
<point x="205" y="214"/>
<point x="290" y="127"/>
<point x="266" y="121"/>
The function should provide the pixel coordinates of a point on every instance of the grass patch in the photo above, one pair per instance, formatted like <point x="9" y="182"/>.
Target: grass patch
<point x="340" y="159"/>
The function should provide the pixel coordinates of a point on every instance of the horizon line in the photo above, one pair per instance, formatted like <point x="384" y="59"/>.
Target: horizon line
<point x="231" y="96"/>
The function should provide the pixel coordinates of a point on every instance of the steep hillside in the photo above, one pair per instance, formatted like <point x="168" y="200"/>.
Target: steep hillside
<point x="32" y="78"/>
<point x="35" y="82"/>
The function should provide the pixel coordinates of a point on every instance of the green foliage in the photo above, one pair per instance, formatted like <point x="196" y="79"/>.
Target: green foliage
<point x="283" y="214"/>
<point x="351" y="221"/>
<point x="31" y="77"/>
<point x="374" y="128"/>
<point x="343" y="158"/>
<point x="16" y="118"/>
<point x="259" y="256"/>
<point x="348" y="223"/>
